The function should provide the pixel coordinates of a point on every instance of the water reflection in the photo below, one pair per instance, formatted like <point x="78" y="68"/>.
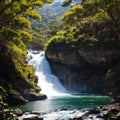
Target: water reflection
<point x="65" y="102"/>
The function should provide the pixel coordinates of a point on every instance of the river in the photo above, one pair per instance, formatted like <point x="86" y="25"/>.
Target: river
<point x="61" y="103"/>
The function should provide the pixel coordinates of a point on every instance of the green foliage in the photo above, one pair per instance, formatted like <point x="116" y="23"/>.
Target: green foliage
<point x="101" y="16"/>
<point x="6" y="113"/>
<point x="15" y="74"/>
<point x="110" y="7"/>
<point x="51" y="23"/>
<point x="38" y="40"/>
<point x="66" y="2"/>
<point x="2" y="93"/>
<point x="61" y="42"/>
<point x="21" y="22"/>
<point x="48" y="1"/>
<point x="74" y="15"/>
<point x="39" y="3"/>
<point x="33" y="14"/>
<point x="87" y="25"/>
<point x="92" y="26"/>
<point x="26" y="36"/>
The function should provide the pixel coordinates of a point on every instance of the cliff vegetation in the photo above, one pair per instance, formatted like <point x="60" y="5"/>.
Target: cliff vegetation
<point x="91" y="34"/>
<point x="17" y="78"/>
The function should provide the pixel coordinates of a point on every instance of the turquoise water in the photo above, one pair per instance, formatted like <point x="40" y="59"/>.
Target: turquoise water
<point x="51" y="85"/>
<point x="66" y="102"/>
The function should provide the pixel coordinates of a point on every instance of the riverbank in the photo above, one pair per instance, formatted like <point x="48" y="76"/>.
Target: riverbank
<point x="65" y="107"/>
<point x="72" y="107"/>
<point x="107" y="112"/>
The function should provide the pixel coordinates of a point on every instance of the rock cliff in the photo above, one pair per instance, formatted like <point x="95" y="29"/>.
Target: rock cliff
<point x="98" y="58"/>
<point x="83" y="70"/>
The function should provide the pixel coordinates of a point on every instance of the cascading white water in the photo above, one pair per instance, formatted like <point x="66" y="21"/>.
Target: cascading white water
<point x="49" y="83"/>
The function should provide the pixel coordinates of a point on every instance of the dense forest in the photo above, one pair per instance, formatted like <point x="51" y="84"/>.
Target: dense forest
<point x="80" y="27"/>
<point x="50" y="24"/>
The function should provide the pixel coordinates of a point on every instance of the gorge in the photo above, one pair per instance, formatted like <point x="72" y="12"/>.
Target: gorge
<point x="60" y="59"/>
<point x="62" y="103"/>
<point x="84" y="70"/>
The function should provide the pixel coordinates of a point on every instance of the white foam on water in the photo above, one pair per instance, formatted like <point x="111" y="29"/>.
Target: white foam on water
<point x="49" y="83"/>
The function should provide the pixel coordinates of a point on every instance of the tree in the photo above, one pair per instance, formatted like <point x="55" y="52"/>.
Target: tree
<point x="14" y="21"/>
<point x="15" y="16"/>
<point x="111" y="7"/>
<point x="74" y="15"/>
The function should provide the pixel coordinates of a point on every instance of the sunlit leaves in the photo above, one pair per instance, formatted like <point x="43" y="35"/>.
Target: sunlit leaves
<point x="89" y="24"/>
<point x="101" y="16"/>
<point x="39" y="3"/>
<point x="24" y="2"/>
<point x="18" y="51"/>
<point x="8" y="34"/>
<point x="48" y="1"/>
<point x="33" y="14"/>
<point x="15" y="7"/>
<point x="7" y="1"/>
<point x="26" y="36"/>
<point x="21" y="22"/>
<point x="111" y="8"/>
<point x="73" y="15"/>
<point x="90" y="8"/>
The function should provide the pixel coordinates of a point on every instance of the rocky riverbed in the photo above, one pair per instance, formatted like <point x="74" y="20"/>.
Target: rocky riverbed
<point x="108" y="112"/>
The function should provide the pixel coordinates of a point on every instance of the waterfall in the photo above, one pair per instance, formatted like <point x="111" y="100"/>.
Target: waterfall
<point x="49" y="83"/>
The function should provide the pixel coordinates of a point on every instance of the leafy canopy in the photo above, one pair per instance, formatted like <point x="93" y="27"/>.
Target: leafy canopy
<point x="92" y="23"/>
<point x="111" y="8"/>
<point x="15" y="16"/>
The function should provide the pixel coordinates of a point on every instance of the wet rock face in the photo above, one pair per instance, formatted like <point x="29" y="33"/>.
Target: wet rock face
<point x="15" y="99"/>
<point x="99" y="58"/>
<point x="109" y="112"/>
<point x="83" y="70"/>
<point x="87" y="79"/>
<point x="31" y="95"/>
<point x="71" y="59"/>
